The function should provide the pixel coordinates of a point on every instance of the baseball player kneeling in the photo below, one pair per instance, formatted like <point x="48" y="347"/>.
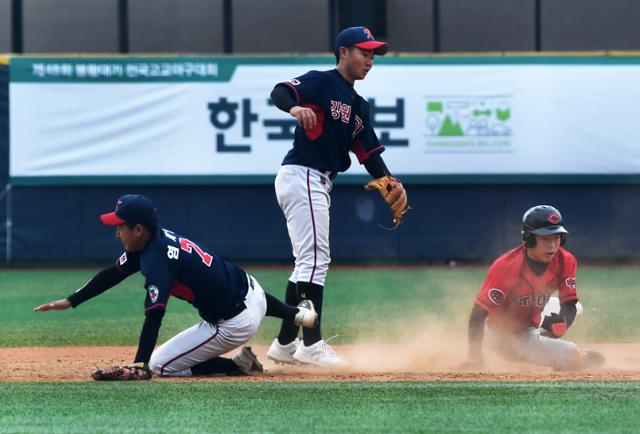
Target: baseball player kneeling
<point x="230" y="302"/>
<point x="515" y="308"/>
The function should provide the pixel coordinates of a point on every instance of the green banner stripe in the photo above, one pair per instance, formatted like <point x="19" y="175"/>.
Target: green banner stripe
<point x="142" y="69"/>
<point x="343" y="179"/>
<point x="220" y="69"/>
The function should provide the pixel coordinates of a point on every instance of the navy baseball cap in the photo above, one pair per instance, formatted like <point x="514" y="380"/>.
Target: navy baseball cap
<point x="360" y="37"/>
<point x="132" y="209"/>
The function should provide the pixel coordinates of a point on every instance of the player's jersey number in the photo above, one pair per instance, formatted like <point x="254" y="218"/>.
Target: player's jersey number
<point x="189" y="246"/>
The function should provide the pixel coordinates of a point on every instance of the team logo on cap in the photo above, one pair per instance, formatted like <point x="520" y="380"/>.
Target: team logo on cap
<point x="496" y="296"/>
<point x="554" y="218"/>
<point x="368" y="33"/>
<point x="153" y="293"/>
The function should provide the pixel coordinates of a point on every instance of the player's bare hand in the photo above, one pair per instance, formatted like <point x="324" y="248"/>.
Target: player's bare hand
<point x="305" y="116"/>
<point x="54" y="305"/>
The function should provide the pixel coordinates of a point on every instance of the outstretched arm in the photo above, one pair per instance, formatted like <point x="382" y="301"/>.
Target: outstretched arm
<point x="54" y="305"/>
<point x="104" y="280"/>
<point x="477" y="318"/>
<point x="149" y="335"/>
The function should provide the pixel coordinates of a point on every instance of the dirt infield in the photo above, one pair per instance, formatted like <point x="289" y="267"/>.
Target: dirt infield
<point x="368" y="362"/>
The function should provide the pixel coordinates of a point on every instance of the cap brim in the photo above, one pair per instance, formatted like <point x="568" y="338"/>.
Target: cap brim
<point x="111" y="219"/>
<point x="550" y="230"/>
<point x="377" y="47"/>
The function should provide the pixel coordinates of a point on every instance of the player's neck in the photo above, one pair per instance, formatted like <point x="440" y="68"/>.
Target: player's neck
<point x="342" y="70"/>
<point x="537" y="267"/>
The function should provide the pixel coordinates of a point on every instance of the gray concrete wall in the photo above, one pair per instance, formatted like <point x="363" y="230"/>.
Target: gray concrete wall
<point x="175" y="26"/>
<point x="5" y="26"/>
<point x="280" y="26"/>
<point x="487" y="25"/>
<point x="410" y="25"/>
<point x="590" y="25"/>
<point x="55" y="26"/>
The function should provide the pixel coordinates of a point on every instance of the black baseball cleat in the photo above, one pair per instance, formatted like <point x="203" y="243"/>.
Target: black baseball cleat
<point x="592" y="359"/>
<point x="247" y="361"/>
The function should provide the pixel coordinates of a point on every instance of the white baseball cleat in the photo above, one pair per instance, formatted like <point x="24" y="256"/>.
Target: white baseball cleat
<point x="283" y="353"/>
<point x="307" y="315"/>
<point x="247" y="361"/>
<point x="319" y="354"/>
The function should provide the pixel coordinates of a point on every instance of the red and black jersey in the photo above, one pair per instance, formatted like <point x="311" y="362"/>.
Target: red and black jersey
<point x="515" y="296"/>
<point x="343" y="123"/>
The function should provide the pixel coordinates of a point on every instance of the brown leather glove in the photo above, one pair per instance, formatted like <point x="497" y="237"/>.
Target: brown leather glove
<point x="394" y="194"/>
<point x="122" y="373"/>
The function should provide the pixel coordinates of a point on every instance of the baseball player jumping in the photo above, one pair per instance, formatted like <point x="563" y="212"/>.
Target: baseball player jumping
<point x="516" y="290"/>
<point x="332" y="121"/>
<point x="230" y="302"/>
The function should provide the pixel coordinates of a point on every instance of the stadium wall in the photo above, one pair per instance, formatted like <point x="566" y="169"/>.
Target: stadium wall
<point x="467" y="223"/>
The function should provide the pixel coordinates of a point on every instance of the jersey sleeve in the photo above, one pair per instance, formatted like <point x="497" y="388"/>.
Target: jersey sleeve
<point x="365" y="141"/>
<point x="494" y="290"/>
<point x="306" y="88"/>
<point x="129" y="262"/>
<point x="159" y="276"/>
<point x="567" y="290"/>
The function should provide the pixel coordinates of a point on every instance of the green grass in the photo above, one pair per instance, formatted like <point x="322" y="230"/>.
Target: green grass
<point x="182" y="407"/>
<point x="369" y="303"/>
<point x="359" y="303"/>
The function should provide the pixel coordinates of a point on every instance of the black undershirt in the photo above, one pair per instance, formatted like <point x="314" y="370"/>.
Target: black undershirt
<point x="105" y="279"/>
<point x="538" y="268"/>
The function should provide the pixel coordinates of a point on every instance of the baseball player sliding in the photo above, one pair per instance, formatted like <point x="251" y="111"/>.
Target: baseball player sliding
<point x="230" y="302"/>
<point x="517" y="289"/>
<point x="333" y="120"/>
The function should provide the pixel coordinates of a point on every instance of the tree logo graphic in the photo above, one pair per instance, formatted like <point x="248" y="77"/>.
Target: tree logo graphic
<point x="469" y="122"/>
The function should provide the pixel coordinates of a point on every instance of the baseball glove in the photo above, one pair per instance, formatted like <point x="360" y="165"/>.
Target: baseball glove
<point x="394" y="194"/>
<point x="122" y="373"/>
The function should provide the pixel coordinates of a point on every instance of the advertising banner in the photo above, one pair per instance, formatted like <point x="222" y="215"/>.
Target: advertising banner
<point x="210" y="119"/>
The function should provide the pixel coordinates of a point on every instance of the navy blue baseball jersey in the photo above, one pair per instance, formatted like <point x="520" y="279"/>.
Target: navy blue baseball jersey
<point x="343" y="123"/>
<point x="174" y="265"/>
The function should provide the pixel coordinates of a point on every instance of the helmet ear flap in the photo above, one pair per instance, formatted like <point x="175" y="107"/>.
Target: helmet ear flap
<point x="563" y="239"/>
<point x="528" y="239"/>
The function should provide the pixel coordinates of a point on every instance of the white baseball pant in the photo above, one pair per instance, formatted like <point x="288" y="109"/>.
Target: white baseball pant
<point x="303" y="196"/>
<point x="205" y="341"/>
<point x="532" y="346"/>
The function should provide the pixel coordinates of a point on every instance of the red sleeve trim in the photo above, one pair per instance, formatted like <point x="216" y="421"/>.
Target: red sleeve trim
<point x="295" y="91"/>
<point x="484" y="306"/>
<point x="155" y="306"/>
<point x="358" y="148"/>
<point x="374" y="150"/>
